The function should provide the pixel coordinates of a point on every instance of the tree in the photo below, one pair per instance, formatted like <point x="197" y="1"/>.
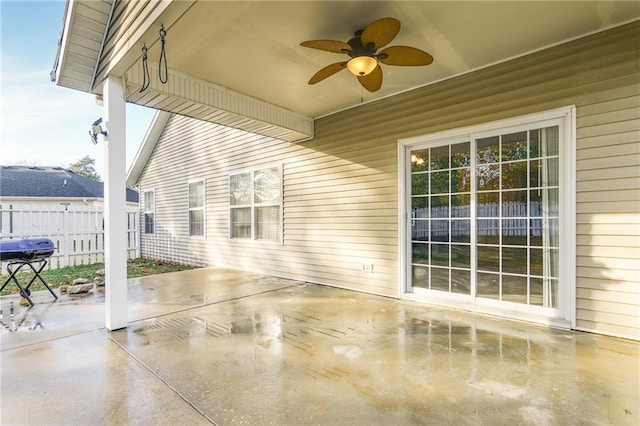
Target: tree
<point x="84" y="167"/>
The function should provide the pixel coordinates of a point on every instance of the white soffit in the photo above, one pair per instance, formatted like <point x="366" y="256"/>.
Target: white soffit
<point x="85" y="24"/>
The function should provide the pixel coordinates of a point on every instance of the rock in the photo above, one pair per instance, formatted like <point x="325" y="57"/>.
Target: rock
<point x="80" y="281"/>
<point x="99" y="279"/>
<point x="80" y="288"/>
<point x="63" y="288"/>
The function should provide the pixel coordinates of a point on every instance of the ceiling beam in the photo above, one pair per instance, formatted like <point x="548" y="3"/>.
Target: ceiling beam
<point x="186" y="95"/>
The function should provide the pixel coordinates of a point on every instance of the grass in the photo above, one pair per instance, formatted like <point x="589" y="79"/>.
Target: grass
<point x="56" y="277"/>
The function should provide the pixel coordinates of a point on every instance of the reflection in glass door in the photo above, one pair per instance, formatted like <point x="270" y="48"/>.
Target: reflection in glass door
<point x="485" y="217"/>
<point x="441" y="218"/>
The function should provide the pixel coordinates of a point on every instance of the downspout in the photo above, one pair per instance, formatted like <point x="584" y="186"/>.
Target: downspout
<point x="104" y="38"/>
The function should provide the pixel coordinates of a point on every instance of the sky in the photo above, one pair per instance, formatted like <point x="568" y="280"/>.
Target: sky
<point x="42" y="124"/>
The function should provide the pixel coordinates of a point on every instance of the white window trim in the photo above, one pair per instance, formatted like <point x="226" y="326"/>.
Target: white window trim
<point x="567" y="185"/>
<point x="145" y="211"/>
<point x="252" y="206"/>
<point x="203" y="209"/>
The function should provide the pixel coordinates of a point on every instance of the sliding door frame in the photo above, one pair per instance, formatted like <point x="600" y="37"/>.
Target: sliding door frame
<point x="564" y="316"/>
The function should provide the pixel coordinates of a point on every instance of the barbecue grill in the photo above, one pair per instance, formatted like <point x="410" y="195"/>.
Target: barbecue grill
<point x="26" y="252"/>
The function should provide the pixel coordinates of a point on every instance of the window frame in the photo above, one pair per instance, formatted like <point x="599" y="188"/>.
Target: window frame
<point x="146" y="212"/>
<point x="564" y="316"/>
<point x="252" y="205"/>
<point x="203" y="208"/>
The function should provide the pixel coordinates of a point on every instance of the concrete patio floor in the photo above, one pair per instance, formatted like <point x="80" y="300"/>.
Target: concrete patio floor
<point x="215" y="346"/>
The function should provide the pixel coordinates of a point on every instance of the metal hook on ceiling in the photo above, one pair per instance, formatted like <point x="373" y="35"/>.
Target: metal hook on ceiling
<point x="163" y="57"/>
<point x="163" y="69"/>
<point x="145" y="70"/>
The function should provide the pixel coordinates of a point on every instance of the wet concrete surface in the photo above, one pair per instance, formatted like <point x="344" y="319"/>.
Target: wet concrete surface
<point x="215" y="346"/>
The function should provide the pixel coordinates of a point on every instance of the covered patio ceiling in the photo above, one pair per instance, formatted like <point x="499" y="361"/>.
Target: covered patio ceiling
<point x="249" y="53"/>
<point x="253" y="47"/>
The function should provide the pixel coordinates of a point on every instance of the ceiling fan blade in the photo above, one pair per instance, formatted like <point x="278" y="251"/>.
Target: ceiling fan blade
<point x="327" y="45"/>
<point x="405" y="56"/>
<point x="380" y="32"/>
<point x="327" y="71"/>
<point x="372" y="81"/>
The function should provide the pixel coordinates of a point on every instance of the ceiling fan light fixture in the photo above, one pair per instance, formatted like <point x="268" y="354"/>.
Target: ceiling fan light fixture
<point x="362" y="65"/>
<point x="364" y="58"/>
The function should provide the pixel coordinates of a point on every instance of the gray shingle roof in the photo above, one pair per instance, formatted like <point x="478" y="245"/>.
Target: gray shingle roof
<point x="24" y="181"/>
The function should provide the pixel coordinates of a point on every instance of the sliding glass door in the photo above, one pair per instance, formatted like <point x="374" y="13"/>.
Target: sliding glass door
<point x="484" y="217"/>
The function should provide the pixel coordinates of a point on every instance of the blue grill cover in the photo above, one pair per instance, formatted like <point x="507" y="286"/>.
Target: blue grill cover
<point x="30" y="249"/>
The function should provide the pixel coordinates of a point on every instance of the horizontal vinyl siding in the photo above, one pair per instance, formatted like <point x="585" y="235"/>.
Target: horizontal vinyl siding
<point x="600" y="76"/>
<point x="341" y="189"/>
<point x="608" y="206"/>
<point x="127" y="18"/>
<point x="332" y="222"/>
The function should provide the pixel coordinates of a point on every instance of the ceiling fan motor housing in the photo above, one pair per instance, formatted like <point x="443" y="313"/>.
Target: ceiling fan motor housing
<point x="358" y="49"/>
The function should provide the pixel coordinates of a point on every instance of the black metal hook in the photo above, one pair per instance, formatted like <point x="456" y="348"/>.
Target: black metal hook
<point x="163" y="57"/>
<point x="145" y="70"/>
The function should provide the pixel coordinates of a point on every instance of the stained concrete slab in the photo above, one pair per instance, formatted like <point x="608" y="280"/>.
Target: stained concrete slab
<point x="239" y="348"/>
<point x="86" y="379"/>
<point x="148" y="297"/>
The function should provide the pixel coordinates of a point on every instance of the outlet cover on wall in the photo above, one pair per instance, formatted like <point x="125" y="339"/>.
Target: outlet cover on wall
<point x="367" y="267"/>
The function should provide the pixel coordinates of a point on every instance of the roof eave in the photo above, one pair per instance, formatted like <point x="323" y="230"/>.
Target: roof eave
<point x="146" y="147"/>
<point x="80" y="78"/>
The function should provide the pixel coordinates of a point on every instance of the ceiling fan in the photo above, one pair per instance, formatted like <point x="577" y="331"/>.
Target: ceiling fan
<point x="364" y="62"/>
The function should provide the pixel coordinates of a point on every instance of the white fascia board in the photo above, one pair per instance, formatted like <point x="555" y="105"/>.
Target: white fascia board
<point x="63" y="42"/>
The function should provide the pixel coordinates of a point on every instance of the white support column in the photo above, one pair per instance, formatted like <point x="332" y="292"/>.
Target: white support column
<point x="115" y="218"/>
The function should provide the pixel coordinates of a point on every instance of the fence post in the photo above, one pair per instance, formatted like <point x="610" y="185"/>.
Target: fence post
<point x="136" y="229"/>
<point x="65" y="235"/>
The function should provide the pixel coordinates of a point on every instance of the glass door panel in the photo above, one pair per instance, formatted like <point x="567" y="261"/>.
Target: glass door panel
<point x="484" y="217"/>
<point x="440" y="216"/>
<point x="517" y="217"/>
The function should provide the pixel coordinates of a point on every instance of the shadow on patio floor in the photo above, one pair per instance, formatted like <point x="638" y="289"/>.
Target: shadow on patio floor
<point x="227" y="347"/>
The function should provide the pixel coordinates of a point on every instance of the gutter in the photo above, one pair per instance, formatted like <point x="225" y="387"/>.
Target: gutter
<point x="54" y="72"/>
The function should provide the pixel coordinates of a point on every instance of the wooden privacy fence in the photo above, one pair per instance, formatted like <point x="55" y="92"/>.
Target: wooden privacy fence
<point x="77" y="230"/>
<point x="516" y="221"/>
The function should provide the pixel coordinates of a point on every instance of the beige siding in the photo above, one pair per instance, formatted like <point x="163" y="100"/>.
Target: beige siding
<point x="327" y="212"/>
<point x="126" y="19"/>
<point x="341" y="188"/>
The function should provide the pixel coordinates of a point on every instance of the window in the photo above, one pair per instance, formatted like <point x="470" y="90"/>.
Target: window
<point x="255" y="203"/>
<point x="149" y="212"/>
<point x="490" y="215"/>
<point x="196" y="208"/>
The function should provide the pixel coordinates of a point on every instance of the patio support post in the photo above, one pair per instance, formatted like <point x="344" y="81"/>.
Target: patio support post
<point x="115" y="246"/>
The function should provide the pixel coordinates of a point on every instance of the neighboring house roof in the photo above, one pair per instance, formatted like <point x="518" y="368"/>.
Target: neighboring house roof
<point x="51" y="182"/>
